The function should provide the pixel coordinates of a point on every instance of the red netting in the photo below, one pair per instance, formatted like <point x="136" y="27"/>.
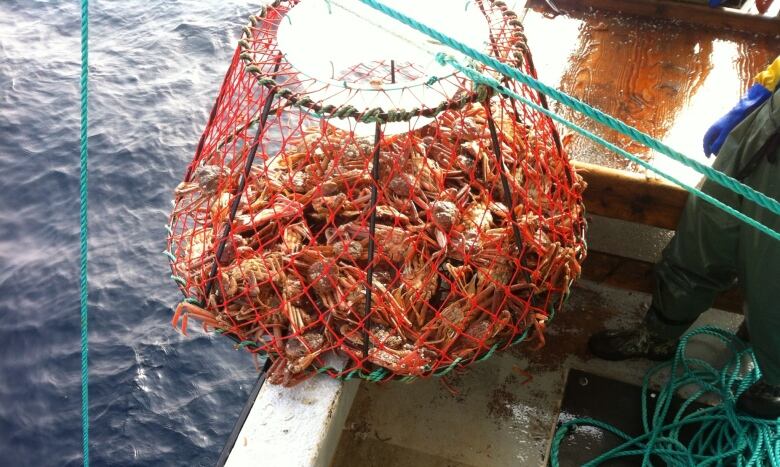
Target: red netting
<point x="450" y="247"/>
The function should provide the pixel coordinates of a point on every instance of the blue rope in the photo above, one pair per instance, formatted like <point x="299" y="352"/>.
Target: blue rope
<point x="591" y="112"/>
<point x="488" y="81"/>
<point x="83" y="232"/>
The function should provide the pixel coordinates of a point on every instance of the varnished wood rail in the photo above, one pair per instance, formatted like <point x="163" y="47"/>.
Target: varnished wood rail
<point x="631" y="197"/>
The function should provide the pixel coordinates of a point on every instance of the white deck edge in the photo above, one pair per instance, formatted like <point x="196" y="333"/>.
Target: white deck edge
<point x="298" y="426"/>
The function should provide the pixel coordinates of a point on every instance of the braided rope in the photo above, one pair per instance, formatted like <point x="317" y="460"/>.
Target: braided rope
<point x="83" y="231"/>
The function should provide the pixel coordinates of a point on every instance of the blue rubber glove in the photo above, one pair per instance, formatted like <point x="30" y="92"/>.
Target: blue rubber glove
<point x="718" y="132"/>
<point x="715" y="3"/>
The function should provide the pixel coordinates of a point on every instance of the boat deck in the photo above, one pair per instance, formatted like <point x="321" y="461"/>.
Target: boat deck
<point x="670" y="80"/>
<point x="504" y="410"/>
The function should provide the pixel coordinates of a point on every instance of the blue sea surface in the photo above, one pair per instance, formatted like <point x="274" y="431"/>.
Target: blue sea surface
<point x="156" y="397"/>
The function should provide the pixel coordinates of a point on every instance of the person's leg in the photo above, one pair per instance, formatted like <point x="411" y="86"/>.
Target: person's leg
<point x="699" y="262"/>
<point x="763" y="307"/>
<point x="760" y="274"/>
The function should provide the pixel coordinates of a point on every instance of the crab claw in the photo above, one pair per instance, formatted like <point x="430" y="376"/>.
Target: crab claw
<point x="539" y="323"/>
<point x="177" y="315"/>
<point x="183" y="312"/>
<point x="184" y="323"/>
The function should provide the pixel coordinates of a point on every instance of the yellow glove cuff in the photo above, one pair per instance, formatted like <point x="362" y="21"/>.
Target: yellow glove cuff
<point x="769" y="77"/>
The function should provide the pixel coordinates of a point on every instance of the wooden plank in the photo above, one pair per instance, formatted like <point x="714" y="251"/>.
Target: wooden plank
<point x="631" y="274"/>
<point x="632" y="197"/>
<point x="702" y="15"/>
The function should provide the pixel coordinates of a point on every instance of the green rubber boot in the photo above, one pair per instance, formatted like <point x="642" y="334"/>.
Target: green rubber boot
<point x="653" y="339"/>
<point x="762" y="400"/>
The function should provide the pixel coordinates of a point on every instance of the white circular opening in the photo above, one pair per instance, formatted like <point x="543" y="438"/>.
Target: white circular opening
<point x="369" y="60"/>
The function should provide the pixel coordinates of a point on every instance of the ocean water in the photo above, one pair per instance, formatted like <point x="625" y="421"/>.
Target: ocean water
<point x="156" y="397"/>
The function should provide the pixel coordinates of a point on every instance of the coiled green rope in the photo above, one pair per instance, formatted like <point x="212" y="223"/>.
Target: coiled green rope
<point x="591" y="112"/>
<point x="83" y="231"/>
<point x="723" y="436"/>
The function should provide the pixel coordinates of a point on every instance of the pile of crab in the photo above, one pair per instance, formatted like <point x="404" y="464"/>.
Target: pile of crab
<point x="464" y="248"/>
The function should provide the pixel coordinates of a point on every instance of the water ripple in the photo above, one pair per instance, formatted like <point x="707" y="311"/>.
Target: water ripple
<point x="156" y="398"/>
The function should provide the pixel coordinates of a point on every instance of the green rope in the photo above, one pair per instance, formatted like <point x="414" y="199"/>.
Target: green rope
<point x="488" y="81"/>
<point x="587" y="110"/>
<point x="83" y="232"/>
<point x="722" y="437"/>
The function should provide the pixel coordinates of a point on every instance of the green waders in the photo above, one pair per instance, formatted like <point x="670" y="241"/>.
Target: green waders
<point x="711" y="249"/>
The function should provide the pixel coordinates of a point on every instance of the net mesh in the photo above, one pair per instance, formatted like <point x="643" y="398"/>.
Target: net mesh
<point x="407" y="254"/>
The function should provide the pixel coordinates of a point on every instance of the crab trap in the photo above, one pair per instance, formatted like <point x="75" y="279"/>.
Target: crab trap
<point x="350" y="194"/>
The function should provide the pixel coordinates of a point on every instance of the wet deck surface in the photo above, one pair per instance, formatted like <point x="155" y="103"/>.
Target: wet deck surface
<point x="669" y="80"/>
<point x="493" y="414"/>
